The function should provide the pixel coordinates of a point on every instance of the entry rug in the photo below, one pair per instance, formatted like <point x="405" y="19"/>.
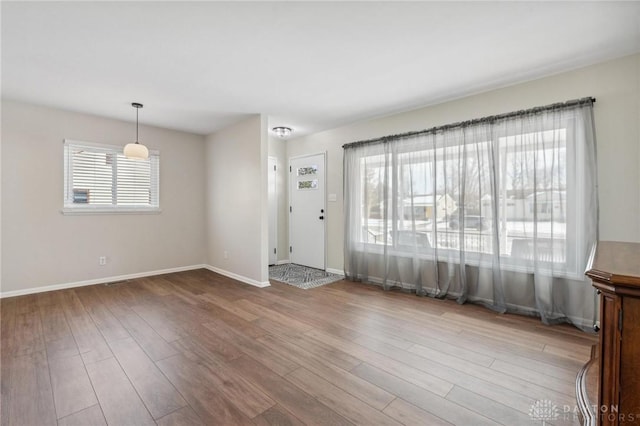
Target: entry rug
<point x="301" y="276"/>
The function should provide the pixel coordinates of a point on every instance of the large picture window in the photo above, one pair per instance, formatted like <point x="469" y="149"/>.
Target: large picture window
<point x="502" y="210"/>
<point x="100" y="179"/>
<point x="443" y="202"/>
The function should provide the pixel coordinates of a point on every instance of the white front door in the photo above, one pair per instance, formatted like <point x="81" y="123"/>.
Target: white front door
<point x="307" y="213"/>
<point x="273" y="211"/>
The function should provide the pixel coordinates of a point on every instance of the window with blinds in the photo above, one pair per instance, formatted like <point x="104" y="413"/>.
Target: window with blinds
<point x="99" y="178"/>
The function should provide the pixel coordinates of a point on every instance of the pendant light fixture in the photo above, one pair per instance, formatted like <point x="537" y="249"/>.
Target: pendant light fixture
<point x="136" y="150"/>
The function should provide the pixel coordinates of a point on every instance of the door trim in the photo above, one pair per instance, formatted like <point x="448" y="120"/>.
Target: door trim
<point x="324" y="200"/>
<point x="275" y="193"/>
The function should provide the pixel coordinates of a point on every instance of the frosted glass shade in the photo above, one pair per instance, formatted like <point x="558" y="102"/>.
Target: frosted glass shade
<point x="136" y="151"/>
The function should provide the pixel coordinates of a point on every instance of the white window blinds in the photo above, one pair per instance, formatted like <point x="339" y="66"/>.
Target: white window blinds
<point x="99" y="178"/>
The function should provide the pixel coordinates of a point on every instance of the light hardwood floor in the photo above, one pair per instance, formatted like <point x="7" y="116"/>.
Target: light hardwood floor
<point x="199" y="348"/>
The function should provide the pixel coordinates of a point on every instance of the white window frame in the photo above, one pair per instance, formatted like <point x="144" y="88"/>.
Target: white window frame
<point x="71" y="208"/>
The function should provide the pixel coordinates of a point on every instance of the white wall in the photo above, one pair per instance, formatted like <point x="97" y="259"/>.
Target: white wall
<point x="42" y="247"/>
<point x="278" y="149"/>
<point x="1" y="106"/>
<point x="615" y="84"/>
<point x="236" y="188"/>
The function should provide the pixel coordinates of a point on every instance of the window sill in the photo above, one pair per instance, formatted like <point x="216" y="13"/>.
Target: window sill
<point x="108" y="211"/>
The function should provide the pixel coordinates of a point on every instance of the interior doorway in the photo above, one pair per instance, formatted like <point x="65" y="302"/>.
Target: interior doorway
<point x="273" y="210"/>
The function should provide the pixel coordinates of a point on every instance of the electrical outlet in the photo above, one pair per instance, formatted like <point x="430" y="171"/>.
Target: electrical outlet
<point x="102" y="260"/>
<point x="226" y="254"/>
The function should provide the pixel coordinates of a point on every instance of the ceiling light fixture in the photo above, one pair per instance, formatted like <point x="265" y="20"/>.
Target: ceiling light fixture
<point x="282" y="132"/>
<point x="136" y="150"/>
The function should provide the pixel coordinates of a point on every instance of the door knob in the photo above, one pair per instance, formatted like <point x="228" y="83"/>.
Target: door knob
<point x="321" y="218"/>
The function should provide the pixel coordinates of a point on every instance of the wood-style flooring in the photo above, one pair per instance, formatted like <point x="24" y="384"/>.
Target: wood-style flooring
<point x="197" y="348"/>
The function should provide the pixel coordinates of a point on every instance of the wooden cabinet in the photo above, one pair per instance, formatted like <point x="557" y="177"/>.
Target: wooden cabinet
<point x="615" y="272"/>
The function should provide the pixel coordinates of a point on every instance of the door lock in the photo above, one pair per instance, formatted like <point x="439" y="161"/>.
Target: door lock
<point x="321" y="218"/>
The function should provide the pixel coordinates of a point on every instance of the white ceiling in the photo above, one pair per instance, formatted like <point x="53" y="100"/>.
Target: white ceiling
<point x="199" y="66"/>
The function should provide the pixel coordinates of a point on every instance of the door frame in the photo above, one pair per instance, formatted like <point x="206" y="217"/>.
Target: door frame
<point x="324" y="200"/>
<point x="275" y="193"/>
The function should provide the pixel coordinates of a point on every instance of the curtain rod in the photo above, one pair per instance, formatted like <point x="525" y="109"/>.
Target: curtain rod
<point x="488" y="119"/>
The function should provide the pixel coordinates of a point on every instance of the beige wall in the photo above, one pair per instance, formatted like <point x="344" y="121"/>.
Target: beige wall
<point x="214" y="194"/>
<point x="615" y="84"/>
<point x="236" y="188"/>
<point x="42" y="247"/>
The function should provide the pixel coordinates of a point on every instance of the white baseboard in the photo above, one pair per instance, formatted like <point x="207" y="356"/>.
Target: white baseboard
<point x="237" y="277"/>
<point x="283" y="262"/>
<point x="335" y="271"/>
<point x="103" y="280"/>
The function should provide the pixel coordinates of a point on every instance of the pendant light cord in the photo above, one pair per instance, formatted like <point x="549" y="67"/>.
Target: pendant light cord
<point x="137" y="106"/>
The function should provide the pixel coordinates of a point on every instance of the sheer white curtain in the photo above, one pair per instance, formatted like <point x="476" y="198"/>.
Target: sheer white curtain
<point x="500" y="211"/>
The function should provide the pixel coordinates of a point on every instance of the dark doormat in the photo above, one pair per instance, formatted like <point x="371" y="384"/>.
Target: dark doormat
<point x="301" y="276"/>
